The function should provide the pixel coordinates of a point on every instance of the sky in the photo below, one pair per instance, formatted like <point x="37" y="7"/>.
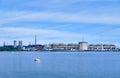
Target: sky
<point x="64" y="21"/>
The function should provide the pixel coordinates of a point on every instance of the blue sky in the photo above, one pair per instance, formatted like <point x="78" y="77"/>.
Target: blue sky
<point x="97" y="21"/>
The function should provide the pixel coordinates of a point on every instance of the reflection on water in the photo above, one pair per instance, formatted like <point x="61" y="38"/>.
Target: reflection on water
<point x="59" y="65"/>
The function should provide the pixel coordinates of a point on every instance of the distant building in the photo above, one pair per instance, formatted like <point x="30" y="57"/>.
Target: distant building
<point x="72" y="46"/>
<point x="64" y="47"/>
<point x="102" y="47"/>
<point x="83" y="46"/>
<point x="4" y="43"/>
<point x="47" y="47"/>
<point x="33" y="47"/>
<point x="58" y="46"/>
<point x="20" y="44"/>
<point x="15" y="43"/>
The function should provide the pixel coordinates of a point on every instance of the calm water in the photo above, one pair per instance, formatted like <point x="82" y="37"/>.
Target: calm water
<point x="59" y="65"/>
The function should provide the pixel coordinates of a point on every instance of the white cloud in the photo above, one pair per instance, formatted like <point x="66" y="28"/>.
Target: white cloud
<point x="61" y="17"/>
<point x="46" y="36"/>
<point x="43" y="34"/>
<point x="46" y="32"/>
<point x="67" y="17"/>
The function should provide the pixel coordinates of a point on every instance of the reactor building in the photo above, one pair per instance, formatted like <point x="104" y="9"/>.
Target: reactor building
<point x="83" y="46"/>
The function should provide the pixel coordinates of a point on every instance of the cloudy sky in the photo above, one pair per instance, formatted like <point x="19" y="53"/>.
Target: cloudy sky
<point x="97" y="21"/>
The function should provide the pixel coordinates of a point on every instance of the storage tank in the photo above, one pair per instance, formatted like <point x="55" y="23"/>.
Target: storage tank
<point x="83" y="46"/>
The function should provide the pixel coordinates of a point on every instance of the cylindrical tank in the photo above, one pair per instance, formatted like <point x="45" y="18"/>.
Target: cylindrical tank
<point x="83" y="46"/>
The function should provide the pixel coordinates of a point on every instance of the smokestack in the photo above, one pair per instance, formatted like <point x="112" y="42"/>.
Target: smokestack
<point x="35" y="40"/>
<point x="4" y="43"/>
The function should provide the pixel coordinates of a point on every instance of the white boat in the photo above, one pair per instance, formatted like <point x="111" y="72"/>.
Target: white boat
<point x="37" y="59"/>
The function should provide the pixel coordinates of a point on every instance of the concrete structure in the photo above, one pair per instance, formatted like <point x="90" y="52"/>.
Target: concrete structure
<point x="64" y="47"/>
<point x="83" y="46"/>
<point x="20" y="43"/>
<point x="33" y="47"/>
<point x="4" y="43"/>
<point x="15" y="43"/>
<point x="102" y="47"/>
<point x="47" y="47"/>
<point x="58" y="46"/>
<point x="35" y="40"/>
<point x="72" y="47"/>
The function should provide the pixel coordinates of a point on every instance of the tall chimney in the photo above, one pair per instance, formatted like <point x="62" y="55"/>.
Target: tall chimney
<point x="35" y="40"/>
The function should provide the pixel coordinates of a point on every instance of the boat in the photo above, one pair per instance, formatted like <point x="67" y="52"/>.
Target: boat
<point x="37" y="59"/>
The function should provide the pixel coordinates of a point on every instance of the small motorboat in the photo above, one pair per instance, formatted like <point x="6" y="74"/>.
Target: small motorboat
<point x="37" y="59"/>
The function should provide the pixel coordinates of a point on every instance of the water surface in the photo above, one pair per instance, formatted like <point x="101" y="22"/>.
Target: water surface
<point x="60" y="65"/>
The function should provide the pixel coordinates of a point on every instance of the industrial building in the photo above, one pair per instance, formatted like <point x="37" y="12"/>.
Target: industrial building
<point x="101" y="47"/>
<point x="80" y="46"/>
<point x="62" y="46"/>
<point x="20" y="44"/>
<point x="15" y="43"/>
<point x="83" y="46"/>
<point x="33" y="48"/>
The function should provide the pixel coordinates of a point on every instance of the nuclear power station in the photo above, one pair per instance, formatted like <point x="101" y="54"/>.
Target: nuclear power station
<point x="80" y="46"/>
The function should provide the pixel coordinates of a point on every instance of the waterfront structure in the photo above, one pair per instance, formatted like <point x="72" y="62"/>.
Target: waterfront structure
<point x="72" y="46"/>
<point x="20" y="44"/>
<point x="102" y="47"/>
<point x="83" y="46"/>
<point x="33" y="48"/>
<point x="15" y="43"/>
<point x="47" y="47"/>
<point x="58" y="46"/>
<point x="4" y="43"/>
<point x="64" y="47"/>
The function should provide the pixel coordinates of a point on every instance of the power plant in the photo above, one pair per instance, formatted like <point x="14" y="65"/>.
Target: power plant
<point x="80" y="46"/>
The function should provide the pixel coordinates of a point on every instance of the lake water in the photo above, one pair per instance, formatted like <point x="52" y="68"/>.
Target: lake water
<point x="60" y="65"/>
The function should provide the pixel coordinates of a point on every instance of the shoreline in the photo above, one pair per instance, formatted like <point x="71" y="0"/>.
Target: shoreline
<point x="62" y="51"/>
